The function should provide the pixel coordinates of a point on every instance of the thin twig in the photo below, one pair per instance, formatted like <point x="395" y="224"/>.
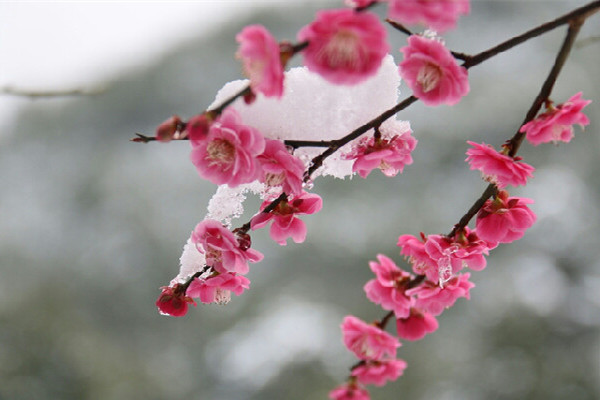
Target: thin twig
<point x="38" y="94"/>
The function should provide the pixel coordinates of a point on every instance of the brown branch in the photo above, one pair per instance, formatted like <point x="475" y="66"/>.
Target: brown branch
<point x="515" y="142"/>
<point x="581" y="12"/>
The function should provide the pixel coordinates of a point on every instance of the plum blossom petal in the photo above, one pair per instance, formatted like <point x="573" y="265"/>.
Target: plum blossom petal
<point x="368" y="342"/>
<point x="222" y="249"/>
<point x="498" y="168"/>
<point x="388" y="289"/>
<point x="218" y="288"/>
<point x="349" y="391"/>
<point x="285" y="223"/>
<point x="432" y="73"/>
<point x="280" y="168"/>
<point x="439" y="15"/>
<point x="432" y="298"/>
<point x="259" y="52"/>
<point x="504" y="219"/>
<point x="173" y="301"/>
<point x="344" y="46"/>
<point x="390" y="153"/>
<point x="556" y="124"/>
<point x="378" y="372"/>
<point x="417" y="325"/>
<point x="228" y="153"/>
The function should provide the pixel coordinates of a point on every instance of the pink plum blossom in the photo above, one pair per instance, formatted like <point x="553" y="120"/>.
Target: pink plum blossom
<point x="222" y="249"/>
<point x="173" y="301"/>
<point x="349" y="391"/>
<point x="368" y="342"/>
<point x="259" y="52"/>
<point x="556" y="124"/>
<point x="388" y="289"/>
<point x="218" y="288"/>
<point x="439" y="257"/>
<point x="504" y="219"/>
<point x="417" y="325"/>
<point x="439" y="15"/>
<point x="280" y="168"/>
<point x="378" y="372"/>
<point x="389" y="155"/>
<point x="228" y="154"/>
<point x="414" y="250"/>
<point x="498" y="168"/>
<point x="344" y="46"/>
<point x="432" y="298"/>
<point x="432" y="73"/>
<point x="285" y="223"/>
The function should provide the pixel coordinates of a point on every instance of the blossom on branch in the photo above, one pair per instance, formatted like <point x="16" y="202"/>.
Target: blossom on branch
<point x="390" y="153"/>
<point x="439" y="15"/>
<point x="388" y="289"/>
<point x="556" y="124"/>
<point x="280" y="168"/>
<point x="432" y="73"/>
<point x="432" y="298"/>
<point x="173" y="301"/>
<point x="228" y="153"/>
<point x="344" y="46"/>
<point x="417" y="325"/>
<point x="285" y="223"/>
<point x="260" y="55"/>
<point x="218" y="288"/>
<point x="222" y="249"/>
<point x="504" y="219"/>
<point x="349" y="391"/>
<point x="378" y="372"/>
<point x="498" y="168"/>
<point x="368" y="342"/>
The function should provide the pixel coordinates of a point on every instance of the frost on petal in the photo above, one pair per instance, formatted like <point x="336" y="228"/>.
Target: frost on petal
<point x="308" y="100"/>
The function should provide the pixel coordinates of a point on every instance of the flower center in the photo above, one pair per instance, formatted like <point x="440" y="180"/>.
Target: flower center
<point x="429" y="77"/>
<point x="274" y="179"/>
<point x="220" y="152"/>
<point x="341" y="51"/>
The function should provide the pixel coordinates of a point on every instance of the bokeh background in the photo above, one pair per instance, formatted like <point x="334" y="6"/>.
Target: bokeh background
<point x="91" y="224"/>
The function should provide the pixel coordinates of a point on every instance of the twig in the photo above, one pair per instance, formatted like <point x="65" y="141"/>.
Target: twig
<point x="38" y="94"/>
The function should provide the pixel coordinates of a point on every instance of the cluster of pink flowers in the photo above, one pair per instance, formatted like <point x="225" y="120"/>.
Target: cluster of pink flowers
<point x="347" y="46"/>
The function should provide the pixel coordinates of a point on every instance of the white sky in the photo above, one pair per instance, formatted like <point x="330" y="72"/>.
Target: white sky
<point x="53" y="45"/>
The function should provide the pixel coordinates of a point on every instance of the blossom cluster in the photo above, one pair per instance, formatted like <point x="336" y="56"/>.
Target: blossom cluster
<point x="346" y="47"/>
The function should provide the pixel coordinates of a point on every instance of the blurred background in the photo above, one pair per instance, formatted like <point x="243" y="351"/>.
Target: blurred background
<point x="91" y="224"/>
